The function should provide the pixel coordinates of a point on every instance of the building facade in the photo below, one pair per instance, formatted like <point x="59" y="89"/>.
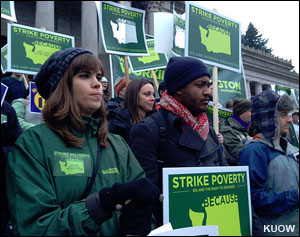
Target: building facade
<point x="80" y="19"/>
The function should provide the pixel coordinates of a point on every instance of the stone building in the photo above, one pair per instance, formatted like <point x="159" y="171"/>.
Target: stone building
<point x="80" y="19"/>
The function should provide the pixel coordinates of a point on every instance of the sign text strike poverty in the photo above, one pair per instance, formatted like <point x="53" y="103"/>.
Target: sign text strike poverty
<point x="191" y="181"/>
<point x="214" y="17"/>
<point x="40" y="34"/>
<point x="122" y="11"/>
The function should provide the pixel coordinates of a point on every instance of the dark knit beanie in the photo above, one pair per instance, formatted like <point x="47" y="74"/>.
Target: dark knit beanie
<point x="241" y="106"/>
<point x="54" y="68"/>
<point x="182" y="70"/>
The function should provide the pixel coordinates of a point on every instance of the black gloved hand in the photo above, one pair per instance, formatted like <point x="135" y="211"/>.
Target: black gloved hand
<point x="141" y="191"/>
<point x="135" y="219"/>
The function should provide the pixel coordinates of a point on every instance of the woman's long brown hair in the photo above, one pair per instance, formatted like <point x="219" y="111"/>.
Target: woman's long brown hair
<point x="131" y="98"/>
<point x="62" y="110"/>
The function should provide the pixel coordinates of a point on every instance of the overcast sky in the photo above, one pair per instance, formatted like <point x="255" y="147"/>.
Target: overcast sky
<point x="277" y="21"/>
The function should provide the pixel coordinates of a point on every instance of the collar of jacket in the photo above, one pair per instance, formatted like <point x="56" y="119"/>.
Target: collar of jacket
<point x="189" y="137"/>
<point x="290" y="150"/>
<point x="236" y="124"/>
<point x="91" y="126"/>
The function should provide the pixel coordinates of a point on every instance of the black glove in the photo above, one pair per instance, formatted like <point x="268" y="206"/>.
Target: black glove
<point x="141" y="191"/>
<point x="135" y="219"/>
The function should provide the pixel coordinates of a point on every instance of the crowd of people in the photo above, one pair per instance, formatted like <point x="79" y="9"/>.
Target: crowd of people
<point x="92" y="164"/>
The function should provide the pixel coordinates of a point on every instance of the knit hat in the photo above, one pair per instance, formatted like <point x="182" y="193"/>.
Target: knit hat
<point x="241" y="106"/>
<point x="103" y="79"/>
<point x="119" y="85"/>
<point x="182" y="70"/>
<point x="54" y="68"/>
<point x="264" y="111"/>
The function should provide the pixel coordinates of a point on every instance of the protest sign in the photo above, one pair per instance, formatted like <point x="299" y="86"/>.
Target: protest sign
<point x="231" y="85"/>
<point x="283" y="89"/>
<point x="29" y="48"/>
<point x="122" y="29"/>
<point x="4" y="59"/>
<point x="296" y="95"/>
<point x="212" y="37"/>
<point x="178" y="34"/>
<point x="163" y="32"/>
<point x="8" y="10"/>
<point x="36" y="101"/>
<point x="203" y="196"/>
<point x="224" y="113"/>
<point x="118" y="71"/>
<point x="146" y="63"/>
<point x="4" y="90"/>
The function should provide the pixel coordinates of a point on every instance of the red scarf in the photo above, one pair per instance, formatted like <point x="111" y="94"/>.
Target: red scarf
<point x="199" y="124"/>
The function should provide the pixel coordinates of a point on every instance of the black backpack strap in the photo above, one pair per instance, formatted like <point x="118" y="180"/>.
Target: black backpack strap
<point x="95" y="171"/>
<point x="161" y="121"/>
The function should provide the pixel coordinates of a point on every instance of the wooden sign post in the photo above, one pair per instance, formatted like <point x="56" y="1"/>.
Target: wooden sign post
<point x="215" y="100"/>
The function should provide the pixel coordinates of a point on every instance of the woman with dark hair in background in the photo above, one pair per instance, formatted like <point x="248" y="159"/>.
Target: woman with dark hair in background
<point x="139" y="100"/>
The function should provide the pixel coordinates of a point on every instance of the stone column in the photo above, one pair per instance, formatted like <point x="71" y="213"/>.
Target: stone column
<point x="44" y="15"/>
<point x="258" y="88"/>
<point x="248" y="89"/>
<point x="152" y="7"/>
<point x="89" y="27"/>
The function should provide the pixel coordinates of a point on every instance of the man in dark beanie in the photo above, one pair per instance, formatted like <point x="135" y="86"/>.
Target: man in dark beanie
<point x="178" y="135"/>
<point x="273" y="168"/>
<point x="235" y="133"/>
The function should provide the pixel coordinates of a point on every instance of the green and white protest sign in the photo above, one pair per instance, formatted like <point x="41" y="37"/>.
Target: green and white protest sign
<point x="118" y="71"/>
<point x="224" y="113"/>
<point x="203" y="196"/>
<point x="8" y="10"/>
<point x="296" y="94"/>
<point x="4" y="59"/>
<point x="283" y="89"/>
<point x="178" y="34"/>
<point x="230" y="85"/>
<point x="29" y="48"/>
<point x="152" y="62"/>
<point x="122" y="29"/>
<point x="212" y="37"/>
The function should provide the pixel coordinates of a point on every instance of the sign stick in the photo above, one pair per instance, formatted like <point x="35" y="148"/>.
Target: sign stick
<point x="126" y="60"/>
<point x="215" y="100"/>
<point x="154" y="79"/>
<point x="215" y="96"/>
<point x="126" y="69"/>
<point x="25" y="81"/>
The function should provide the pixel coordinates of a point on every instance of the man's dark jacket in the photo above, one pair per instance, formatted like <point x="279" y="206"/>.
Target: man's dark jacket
<point x="185" y="148"/>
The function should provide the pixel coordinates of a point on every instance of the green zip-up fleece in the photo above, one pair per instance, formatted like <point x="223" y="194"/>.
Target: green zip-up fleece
<point x="45" y="180"/>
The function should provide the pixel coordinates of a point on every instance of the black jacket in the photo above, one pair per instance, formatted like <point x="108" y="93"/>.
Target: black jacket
<point x="185" y="148"/>
<point x="120" y="123"/>
<point x="10" y="131"/>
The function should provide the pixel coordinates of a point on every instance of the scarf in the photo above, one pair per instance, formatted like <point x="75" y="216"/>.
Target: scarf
<point x="199" y="124"/>
<point x="237" y="118"/>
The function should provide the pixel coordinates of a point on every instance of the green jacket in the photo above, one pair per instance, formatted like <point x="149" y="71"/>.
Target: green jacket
<point x="235" y="135"/>
<point x="45" y="180"/>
